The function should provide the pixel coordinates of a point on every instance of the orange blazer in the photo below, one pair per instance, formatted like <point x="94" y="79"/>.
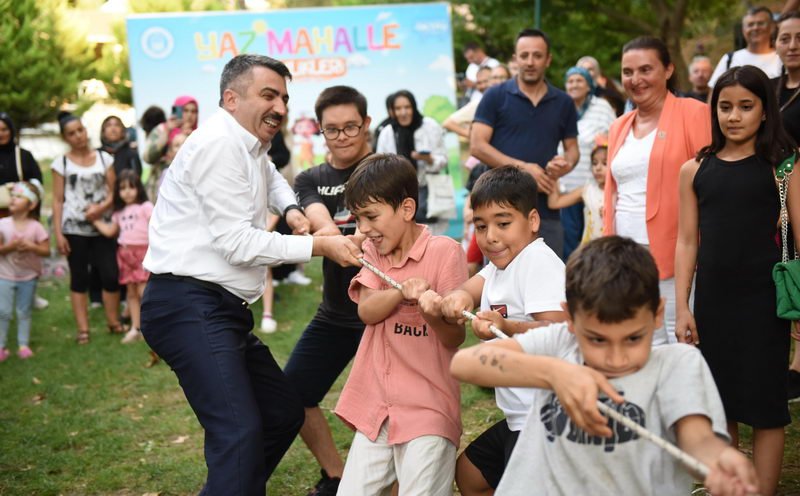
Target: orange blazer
<point x="683" y="129"/>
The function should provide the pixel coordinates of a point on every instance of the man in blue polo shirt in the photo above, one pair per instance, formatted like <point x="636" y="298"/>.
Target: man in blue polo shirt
<point x="521" y="122"/>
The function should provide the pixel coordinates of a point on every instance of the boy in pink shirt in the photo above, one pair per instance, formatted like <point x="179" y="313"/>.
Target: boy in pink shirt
<point x="400" y="397"/>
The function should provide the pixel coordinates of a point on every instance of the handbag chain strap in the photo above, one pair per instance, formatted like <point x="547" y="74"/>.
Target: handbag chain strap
<point x="782" y="173"/>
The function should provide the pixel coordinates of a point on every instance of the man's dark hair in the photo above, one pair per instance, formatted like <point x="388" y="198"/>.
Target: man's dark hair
<point x="612" y="278"/>
<point x="471" y="46"/>
<point x="506" y="186"/>
<point x="534" y="33"/>
<point x="340" y="95"/>
<point x="385" y="178"/>
<point x="236" y="73"/>
<point x="151" y="118"/>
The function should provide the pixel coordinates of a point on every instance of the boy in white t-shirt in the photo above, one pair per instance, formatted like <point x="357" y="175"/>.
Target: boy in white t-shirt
<point x="522" y="287"/>
<point x="567" y="447"/>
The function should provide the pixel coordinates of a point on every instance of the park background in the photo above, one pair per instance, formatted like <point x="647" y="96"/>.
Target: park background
<point x="93" y="419"/>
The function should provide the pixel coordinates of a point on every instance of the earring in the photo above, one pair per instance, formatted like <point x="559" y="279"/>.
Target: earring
<point x="763" y="118"/>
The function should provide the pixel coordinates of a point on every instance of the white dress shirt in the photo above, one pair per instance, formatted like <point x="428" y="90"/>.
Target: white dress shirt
<point x="210" y="218"/>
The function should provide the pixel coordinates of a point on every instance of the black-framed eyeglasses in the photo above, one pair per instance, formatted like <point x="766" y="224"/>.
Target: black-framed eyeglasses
<point x="350" y="130"/>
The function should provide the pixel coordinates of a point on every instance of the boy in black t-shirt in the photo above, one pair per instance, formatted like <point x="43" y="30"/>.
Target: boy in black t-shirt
<point x="331" y="338"/>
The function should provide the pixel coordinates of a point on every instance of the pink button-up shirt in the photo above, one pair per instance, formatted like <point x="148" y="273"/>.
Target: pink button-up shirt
<point x="402" y="370"/>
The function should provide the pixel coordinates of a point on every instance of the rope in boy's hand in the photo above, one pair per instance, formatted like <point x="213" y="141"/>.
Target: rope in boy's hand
<point x="688" y="460"/>
<point x="685" y="458"/>
<point x="396" y="285"/>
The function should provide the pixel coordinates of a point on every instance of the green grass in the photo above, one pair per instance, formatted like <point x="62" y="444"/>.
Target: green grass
<point x="92" y="419"/>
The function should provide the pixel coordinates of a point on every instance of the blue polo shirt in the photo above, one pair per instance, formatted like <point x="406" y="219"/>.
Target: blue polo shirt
<point x="525" y="131"/>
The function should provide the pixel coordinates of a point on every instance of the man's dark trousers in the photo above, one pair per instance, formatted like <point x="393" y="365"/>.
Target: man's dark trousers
<point x="249" y="411"/>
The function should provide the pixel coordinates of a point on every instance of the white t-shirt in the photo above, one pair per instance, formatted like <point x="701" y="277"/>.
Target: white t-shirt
<point x="557" y="458"/>
<point x="592" y="206"/>
<point x="83" y="185"/>
<point x="629" y="168"/>
<point x="596" y="120"/>
<point x="533" y="282"/>
<point x="770" y="63"/>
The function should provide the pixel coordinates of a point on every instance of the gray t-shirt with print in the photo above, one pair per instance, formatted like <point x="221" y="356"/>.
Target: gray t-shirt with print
<point x="83" y="185"/>
<point x="557" y="458"/>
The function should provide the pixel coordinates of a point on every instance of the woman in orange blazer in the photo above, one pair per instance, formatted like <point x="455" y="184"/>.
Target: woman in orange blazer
<point x="645" y="152"/>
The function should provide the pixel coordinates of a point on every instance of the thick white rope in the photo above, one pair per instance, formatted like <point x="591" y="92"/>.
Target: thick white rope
<point x="396" y="285"/>
<point x="685" y="458"/>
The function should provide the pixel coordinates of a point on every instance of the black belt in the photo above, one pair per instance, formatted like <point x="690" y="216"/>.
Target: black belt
<point x="169" y="276"/>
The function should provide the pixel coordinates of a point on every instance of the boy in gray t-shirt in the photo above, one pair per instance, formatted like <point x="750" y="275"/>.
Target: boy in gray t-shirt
<point x="567" y="447"/>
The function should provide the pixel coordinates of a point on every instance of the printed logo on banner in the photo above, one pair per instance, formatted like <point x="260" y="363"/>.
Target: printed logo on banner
<point x="157" y="42"/>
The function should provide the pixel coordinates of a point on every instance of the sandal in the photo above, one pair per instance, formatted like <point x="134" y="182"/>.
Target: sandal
<point x="117" y="328"/>
<point x="82" y="337"/>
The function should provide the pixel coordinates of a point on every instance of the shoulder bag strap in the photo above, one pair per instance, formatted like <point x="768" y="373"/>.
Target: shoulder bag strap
<point x="19" y="164"/>
<point x="782" y="173"/>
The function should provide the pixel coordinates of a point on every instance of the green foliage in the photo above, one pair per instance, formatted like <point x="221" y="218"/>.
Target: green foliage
<point x="112" y="67"/>
<point x="589" y="27"/>
<point x="42" y="60"/>
<point x="145" y="6"/>
<point x="438" y="108"/>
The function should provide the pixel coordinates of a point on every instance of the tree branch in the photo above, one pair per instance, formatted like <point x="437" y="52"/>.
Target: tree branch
<point x="624" y="18"/>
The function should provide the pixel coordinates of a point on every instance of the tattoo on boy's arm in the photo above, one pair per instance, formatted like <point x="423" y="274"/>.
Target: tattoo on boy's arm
<point x="491" y="358"/>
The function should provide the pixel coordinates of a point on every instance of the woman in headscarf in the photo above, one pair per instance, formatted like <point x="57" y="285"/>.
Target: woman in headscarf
<point x="114" y="139"/>
<point x="186" y="110"/>
<point x="14" y="159"/>
<point x="595" y="116"/>
<point x="419" y="139"/>
<point x="183" y="120"/>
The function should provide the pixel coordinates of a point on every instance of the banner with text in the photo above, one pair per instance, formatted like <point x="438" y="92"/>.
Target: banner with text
<point x="376" y="49"/>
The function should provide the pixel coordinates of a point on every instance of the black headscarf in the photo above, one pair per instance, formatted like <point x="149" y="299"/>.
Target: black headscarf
<point x="10" y="124"/>
<point x="404" y="135"/>
<point x="8" y="158"/>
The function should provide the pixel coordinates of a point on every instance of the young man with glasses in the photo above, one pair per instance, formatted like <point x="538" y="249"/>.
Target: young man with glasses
<point x="331" y="338"/>
<point x="757" y="29"/>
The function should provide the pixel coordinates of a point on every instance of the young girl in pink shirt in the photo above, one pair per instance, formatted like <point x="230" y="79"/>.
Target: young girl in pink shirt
<point x="24" y="243"/>
<point x="129" y="221"/>
<point x="400" y="397"/>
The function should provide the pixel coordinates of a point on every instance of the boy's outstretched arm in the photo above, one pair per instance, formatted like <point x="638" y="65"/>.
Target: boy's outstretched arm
<point x="450" y="334"/>
<point x="503" y="363"/>
<point x="730" y="472"/>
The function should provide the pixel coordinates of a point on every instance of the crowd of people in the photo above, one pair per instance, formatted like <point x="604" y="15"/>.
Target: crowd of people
<point x="620" y="236"/>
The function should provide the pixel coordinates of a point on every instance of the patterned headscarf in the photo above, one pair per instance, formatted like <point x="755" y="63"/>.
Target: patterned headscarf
<point x="588" y="77"/>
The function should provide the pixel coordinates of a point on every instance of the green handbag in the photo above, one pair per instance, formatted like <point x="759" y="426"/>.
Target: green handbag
<point x="786" y="273"/>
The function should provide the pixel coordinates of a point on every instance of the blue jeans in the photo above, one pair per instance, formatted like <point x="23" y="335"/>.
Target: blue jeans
<point x="572" y="222"/>
<point x="247" y="407"/>
<point x="24" y="301"/>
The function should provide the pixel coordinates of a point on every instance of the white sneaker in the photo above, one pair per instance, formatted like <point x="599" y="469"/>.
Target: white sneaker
<point x="298" y="278"/>
<point x="268" y="324"/>
<point x="95" y="305"/>
<point x="131" y="336"/>
<point x="40" y="303"/>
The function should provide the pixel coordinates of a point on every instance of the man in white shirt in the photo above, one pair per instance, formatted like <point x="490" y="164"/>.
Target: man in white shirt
<point x="757" y="28"/>
<point x="208" y="256"/>
<point x="477" y="58"/>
